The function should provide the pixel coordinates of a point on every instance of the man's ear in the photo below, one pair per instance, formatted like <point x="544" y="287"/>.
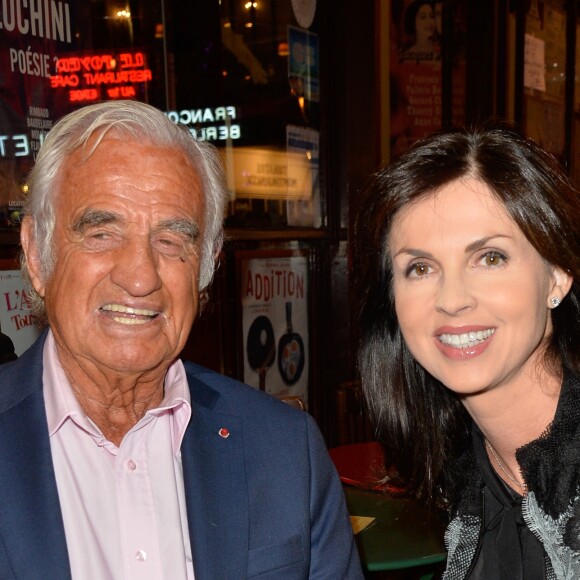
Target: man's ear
<point x="203" y="300"/>
<point x="561" y="284"/>
<point x="30" y="249"/>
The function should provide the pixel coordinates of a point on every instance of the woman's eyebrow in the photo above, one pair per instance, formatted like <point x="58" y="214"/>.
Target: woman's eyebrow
<point x="477" y="244"/>
<point x="417" y="252"/>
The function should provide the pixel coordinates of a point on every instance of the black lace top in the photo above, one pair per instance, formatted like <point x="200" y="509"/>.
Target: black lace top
<point x="508" y="549"/>
<point x="494" y="532"/>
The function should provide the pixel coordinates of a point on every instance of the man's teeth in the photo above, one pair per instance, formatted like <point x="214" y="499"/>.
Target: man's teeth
<point x="467" y="339"/>
<point x="130" y="315"/>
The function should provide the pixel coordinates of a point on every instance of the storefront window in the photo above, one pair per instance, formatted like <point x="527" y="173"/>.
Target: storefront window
<point x="242" y="75"/>
<point x="544" y="75"/>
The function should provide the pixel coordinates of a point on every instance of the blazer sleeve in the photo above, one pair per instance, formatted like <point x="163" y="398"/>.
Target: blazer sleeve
<point x="333" y="551"/>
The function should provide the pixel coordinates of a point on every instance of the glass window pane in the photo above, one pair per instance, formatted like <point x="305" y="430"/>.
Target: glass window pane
<point x="544" y="75"/>
<point x="242" y="75"/>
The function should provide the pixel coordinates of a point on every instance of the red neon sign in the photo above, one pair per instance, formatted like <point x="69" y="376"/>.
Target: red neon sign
<point x="86" y="77"/>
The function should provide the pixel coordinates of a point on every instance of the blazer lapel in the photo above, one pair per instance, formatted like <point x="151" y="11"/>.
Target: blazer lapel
<point x="215" y="488"/>
<point x="31" y="526"/>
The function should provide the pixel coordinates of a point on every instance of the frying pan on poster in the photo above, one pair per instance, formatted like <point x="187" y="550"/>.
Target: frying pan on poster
<point x="290" y="352"/>
<point x="261" y="347"/>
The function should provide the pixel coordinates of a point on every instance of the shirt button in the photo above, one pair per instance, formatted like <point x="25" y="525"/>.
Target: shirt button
<point x="141" y="555"/>
<point x="131" y="465"/>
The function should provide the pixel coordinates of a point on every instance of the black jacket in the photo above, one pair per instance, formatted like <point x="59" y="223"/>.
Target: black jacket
<point x="551" y="508"/>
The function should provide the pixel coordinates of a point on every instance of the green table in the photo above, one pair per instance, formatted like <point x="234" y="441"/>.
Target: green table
<point x="403" y="535"/>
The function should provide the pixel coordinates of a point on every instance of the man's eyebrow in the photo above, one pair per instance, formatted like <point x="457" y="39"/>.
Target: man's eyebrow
<point x="182" y="226"/>
<point x="92" y="218"/>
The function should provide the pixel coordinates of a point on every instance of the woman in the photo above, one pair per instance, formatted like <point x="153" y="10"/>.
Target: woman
<point x="469" y="296"/>
<point x="419" y="24"/>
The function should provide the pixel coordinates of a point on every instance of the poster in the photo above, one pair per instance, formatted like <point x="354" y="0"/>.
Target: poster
<point x="32" y="38"/>
<point x="274" y="304"/>
<point x="534" y="63"/>
<point x="415" y="65"/>
<point x="302" y="145"/>
<point x="304" y="63"/>
<point x="16" y="320"/>
<point x="32" y="35"/>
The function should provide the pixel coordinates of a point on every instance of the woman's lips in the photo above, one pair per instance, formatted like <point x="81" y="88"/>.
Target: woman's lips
<point x="463" y="343"/>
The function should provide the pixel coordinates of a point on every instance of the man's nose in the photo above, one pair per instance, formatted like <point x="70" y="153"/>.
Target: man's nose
<point x="136" y="267"/>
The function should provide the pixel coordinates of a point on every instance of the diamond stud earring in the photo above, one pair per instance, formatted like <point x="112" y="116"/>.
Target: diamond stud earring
<point x="555" y="302"/>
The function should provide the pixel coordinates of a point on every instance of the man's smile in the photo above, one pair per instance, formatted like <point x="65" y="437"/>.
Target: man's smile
<point x="127" y="315"/>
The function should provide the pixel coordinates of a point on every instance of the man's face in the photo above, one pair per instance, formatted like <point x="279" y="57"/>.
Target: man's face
<point x="124" y="290"/>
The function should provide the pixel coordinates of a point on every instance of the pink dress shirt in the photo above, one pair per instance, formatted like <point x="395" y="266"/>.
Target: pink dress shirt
<point x="123" y="507"/>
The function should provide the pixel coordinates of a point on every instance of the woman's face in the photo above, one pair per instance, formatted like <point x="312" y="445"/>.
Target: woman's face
<point x="425" y="21"/>
<point x="471" y="293"/>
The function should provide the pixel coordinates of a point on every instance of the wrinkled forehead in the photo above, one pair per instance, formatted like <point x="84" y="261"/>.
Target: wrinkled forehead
<point x="113" y="165"/>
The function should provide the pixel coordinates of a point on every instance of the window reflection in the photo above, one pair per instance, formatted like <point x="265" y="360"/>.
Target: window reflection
<point x="243" y="75"/>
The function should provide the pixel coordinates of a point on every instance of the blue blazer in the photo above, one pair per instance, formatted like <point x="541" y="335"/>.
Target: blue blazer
<point x="265" y="502"/>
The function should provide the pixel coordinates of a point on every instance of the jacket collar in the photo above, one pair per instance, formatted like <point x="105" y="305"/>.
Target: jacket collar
<point x="31" y="526"/>
<point x="216" y="486"/>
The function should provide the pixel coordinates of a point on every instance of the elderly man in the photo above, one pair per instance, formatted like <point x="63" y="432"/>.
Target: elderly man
<point x="117" y="460"/>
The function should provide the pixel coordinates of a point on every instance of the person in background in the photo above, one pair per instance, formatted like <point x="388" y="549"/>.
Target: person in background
<point x="7" y="352"/>
<point x="469" y="302"/>
<point x="117" y="459"/>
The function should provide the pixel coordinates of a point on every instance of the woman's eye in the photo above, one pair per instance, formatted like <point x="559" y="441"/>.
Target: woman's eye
<point x="491" y="259"/>
<point x="418" y="270"/>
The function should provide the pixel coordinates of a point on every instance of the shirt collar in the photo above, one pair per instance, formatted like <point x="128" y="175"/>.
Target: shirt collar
<point x="61" y="403"/>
